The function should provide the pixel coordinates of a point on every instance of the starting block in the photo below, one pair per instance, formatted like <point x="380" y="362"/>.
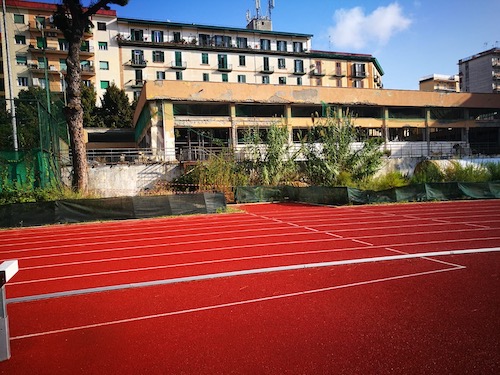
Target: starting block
<point x="7" y="270"/>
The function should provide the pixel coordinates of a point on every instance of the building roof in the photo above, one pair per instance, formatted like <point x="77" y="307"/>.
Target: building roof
<point x="480" y="54"/>
<point x="348" y="56"/>
<point x="48" y="7"/>
<point x="209" y="27"/>
<point x="440" y="77"/>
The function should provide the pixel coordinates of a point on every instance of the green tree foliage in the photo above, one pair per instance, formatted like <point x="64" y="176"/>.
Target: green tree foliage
<point x="89" y="97"/>
<point x="269" y="158"/>
<point x="116" y="111"/>
<point x="332" y="159"/>
<point x="6" y="142"/>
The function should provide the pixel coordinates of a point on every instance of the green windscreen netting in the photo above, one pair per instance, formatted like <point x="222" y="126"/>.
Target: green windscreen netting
<point x="345" y="195"/>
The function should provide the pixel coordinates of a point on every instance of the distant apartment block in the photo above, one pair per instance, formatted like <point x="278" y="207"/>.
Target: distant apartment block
<point x="440" y="83"/>
<point x="128" y="52"/>
<point x="481" y="72"/>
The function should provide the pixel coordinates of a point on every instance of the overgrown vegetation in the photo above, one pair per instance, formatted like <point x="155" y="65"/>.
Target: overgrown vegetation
<point x="331" y="159"/>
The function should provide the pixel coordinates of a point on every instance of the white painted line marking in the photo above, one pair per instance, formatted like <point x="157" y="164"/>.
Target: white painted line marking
<point x="230" y="304"/>
<point x="253" y="272"/>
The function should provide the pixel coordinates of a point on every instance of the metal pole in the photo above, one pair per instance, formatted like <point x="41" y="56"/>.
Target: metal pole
<point x="4" y="327"/>
<point x="9" y="78"/>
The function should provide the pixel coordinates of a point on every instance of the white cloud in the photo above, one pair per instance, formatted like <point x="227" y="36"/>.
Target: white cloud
<point x="354" y="29"/>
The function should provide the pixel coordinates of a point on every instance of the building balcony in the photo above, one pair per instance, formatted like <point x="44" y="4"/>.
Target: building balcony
<point x="138" y="63"/>
<point x="138" y="83"/>
<point x="299" y="72"/>
<point x="317" y="73"/>
<point x="54" y="51"/>
<point x="225" y="67"/>
<point x="179" y="65"/>
<point x="339" y="73"/>
<point x="360" y="74"/>
<point x="266" y="69"/>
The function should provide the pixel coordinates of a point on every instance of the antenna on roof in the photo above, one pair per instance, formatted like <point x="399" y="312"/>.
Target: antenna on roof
<point x="257" y="8"/>
<point x="271" y="7"/>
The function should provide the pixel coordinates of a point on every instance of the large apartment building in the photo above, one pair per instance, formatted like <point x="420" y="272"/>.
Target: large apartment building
<point x="480" y="72"/>
<point x="128" y="52"/>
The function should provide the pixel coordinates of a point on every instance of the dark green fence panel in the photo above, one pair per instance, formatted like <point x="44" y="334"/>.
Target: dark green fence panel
<point x="411" y="193"/>
<point x="444" y="191"/>
<point x="476" y="190"/>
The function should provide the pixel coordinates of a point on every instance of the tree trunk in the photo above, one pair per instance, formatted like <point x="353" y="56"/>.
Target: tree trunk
<point x="74" y="116"/>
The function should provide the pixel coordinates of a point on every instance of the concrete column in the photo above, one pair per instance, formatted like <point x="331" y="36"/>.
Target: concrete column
<point x="167" y="108"/>
<point x="233" y="142"/>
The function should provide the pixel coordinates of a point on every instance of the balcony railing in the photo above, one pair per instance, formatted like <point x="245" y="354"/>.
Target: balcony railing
<point x="266" y="69"/>
<point x="225" y="67"/>
<point x="318" y="73"/>
<point x="138" y="63"/>
<point x="120" y="156"/>
<point x="181" y="65"/>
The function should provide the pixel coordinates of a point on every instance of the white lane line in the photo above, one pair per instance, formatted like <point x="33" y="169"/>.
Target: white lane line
<point x="208" y="240"/>
<point x="430" y="259"/>
<point x="252" y="272"/>
<point x="229" y="304"/>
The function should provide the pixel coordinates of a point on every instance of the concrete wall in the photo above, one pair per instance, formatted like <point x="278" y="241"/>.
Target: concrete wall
<point x="128" y="179"/>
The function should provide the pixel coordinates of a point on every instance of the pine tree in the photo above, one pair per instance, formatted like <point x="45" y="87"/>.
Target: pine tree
<point x="74" y="20"/>
<point x="116" y="111"/>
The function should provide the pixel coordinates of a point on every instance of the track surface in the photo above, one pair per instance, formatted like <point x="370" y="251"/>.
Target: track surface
<point x="276" y="289"/>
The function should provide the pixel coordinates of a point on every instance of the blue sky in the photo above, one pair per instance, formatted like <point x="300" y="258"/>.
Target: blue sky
<point x="409" y="38"/>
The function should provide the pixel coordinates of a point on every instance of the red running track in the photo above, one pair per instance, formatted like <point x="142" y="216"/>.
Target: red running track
<point x="402" y="315"/>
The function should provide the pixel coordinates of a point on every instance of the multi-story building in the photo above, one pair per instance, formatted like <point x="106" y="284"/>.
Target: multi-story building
<point x="38" y="49"/>
<point x="440" y="83"/>
<point x="129" y="52"/>
<point x="480" y="72"/>
<point x="182" y="121"/>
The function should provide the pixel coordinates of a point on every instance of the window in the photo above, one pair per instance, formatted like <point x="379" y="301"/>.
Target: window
<point x="21" y="60"/>
<point x="85" y="66"/>
<point x="177" y="37"/>
<point x="206" y="77"/>
<point x="137" y="35"/>
<point x="298" y="47"/>
<point x="339" y="82"/>
<point x="157" y="36"/>
<point x="222" y="61"/>
<point x="160" y="75"/>
<point x="243" y="61"/>
<point x="178" y="76"/>
<point x="20" y="39"/>
<point x="22" y="81"/>
<point x="222" y="41"/>
<point x="204" y="58"/>
<point x="298" y="66"/>
<point x="103" y="46"/>
<point x="204" y="39"/>
<point x="281" y="45"/>
<point x="87" y="82"/>
<point x="42" y="83"/>
<point x="299" y="81"/>
<point x="41" y="63"/>
<point x="40" y="22"/>
<point x="104" y="65"/>
<point x="265" y="66"/>
<point x="357" y="83"/>
<point x="241" y="42"/>
<point x="104" y="85"/>
<point x="178" y="58"/>
<point x="265" y="44"/>
<point x="225" y="77"/>
<point x="41" y="42"/>
<point x="18" y="18"/>
<point x="64" y="45"/>
<point x="85" y="47"/>
<point x="265" y="80"/>
<point x="158" y="56"/>
<point x="101" y="26"/>
<point x="358" y="70"/>
<point x="282" y="80"/>
<point x="242" y="78"/>
<point x="62" y="65"/>
<point x="139" y="81"/>
<point x="281" y="63"/>
<point x="138" y="57"/>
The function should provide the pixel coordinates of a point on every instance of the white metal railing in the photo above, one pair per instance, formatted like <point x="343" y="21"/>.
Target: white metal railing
<point x="121" y="155"/>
